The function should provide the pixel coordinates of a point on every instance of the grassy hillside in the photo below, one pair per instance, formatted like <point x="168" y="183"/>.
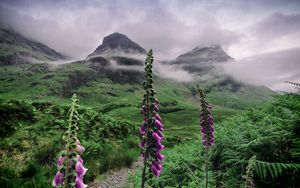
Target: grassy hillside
<point x="99" y="88"/>
<point x="35" y="99"/>
<point x="108" y="92"/>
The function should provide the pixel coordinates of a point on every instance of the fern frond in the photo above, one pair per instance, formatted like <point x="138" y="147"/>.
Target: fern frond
<point x="265" y="169"/>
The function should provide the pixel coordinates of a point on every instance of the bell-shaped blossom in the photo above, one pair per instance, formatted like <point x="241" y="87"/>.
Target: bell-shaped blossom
<point x="79" y="183"/>
<point x="159" y="132"/>
<point x="58" y="179"/>
<point x="157" y="116"/>
<point x="80" y="170"/>
<point x="80" y="149"/>
<point x="61" y="160"/>
<point x="156" y="171"/>
<point x="159" y="147"/>
<point x="142" y="129"/>
<point x="159" y="156"/>
<point x="79" y="159"/>
<point x="157" y="165"/>
<point x="157" y="137"/>
<point x="158" y="123"/>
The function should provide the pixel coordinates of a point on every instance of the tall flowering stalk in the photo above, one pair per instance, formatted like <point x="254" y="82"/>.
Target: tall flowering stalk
<point x="207" y="129"/>
<point x="249" y="182"/>
<point x="152" y="126"/>
<point x="70" y="165"/>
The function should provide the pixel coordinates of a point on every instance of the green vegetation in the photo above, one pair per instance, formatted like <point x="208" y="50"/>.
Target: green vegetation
<point x="35" y="100"/>
<point x="32" y="141"/>
<point x="270" y="132"/>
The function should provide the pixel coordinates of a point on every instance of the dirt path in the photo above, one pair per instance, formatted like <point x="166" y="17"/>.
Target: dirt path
<point x="116" y="178"/>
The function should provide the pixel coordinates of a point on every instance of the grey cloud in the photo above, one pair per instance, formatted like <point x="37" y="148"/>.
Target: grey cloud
<point x="270" y="69"/>
<point x="277" y="25"/>
<point x="77" y="28"/>
<point x="170" y="28"/>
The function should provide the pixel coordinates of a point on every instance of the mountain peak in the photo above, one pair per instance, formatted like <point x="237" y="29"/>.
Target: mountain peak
<point x="212" y="53"/>
<point x="116" y="43"/>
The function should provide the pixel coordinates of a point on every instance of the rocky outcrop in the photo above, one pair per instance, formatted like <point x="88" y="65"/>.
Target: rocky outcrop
<point x="117" y="43"/>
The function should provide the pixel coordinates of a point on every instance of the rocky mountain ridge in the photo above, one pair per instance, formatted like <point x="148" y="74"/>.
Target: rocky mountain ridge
<point x="17" y="49"/>
<point x="117" y="43"/>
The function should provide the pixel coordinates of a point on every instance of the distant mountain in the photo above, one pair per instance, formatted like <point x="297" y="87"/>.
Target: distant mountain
<point x="17" y="49"/>
<point x="202" y="59"/>
<point x="209" y="54"/>
<point x="117" y="43"/>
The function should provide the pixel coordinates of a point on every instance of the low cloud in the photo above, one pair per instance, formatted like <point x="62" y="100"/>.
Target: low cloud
<point x="270" y="69"/>
<point x="172" y="72"/>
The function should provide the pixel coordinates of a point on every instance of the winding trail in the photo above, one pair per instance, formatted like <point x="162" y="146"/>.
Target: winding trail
<point x="116" y="178"/>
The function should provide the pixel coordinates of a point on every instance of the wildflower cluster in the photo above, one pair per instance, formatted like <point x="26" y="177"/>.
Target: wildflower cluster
<point x="152" y="126"/>
<point x="206" y="121"/>
<point x="70" y="165"/>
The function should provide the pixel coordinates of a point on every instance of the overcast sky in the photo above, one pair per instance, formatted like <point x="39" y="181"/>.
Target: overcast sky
<point x="76" y="27"/>
<point x="245" y="29"/>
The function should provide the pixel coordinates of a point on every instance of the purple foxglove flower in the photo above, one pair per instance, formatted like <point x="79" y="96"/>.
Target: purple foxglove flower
<point x="80" y="149"/>
<point x="155" y="108"/>
<point x="79" y="159"/>
<point x="158" y="123"/>
<point x="155" y="171"/>
<point x="160" y="129"/>
<point x="157" y="165"/>
<point x="58" y="179"/>
<point x="203" y="130"/>
<point x="77" y="142"/>
<point x="143" y="143"/>
<point x="156" y="137"/>
<point x="159" y="133"/>
<point x="79" y="183"/>
<point x="159" y="147"/>
<point x="60" y="160"/>
<point x="157" y="116"/>
<point x="80" y="170"/>
<point x="142" y="130"/>
<point x="159" y="156"/>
